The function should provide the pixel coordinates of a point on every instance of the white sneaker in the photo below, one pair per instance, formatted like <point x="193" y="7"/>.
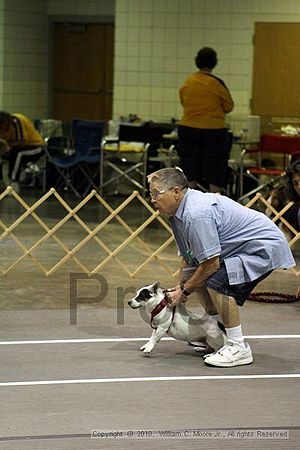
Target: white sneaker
<point x="230" y="355"/>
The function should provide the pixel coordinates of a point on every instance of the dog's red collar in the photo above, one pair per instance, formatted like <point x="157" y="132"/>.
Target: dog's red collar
<point x="158" y="308"/>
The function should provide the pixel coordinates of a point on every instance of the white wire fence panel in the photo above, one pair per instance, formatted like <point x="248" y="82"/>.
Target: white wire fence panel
<point x="71" y="238"/>
<point x="131" y="244"/>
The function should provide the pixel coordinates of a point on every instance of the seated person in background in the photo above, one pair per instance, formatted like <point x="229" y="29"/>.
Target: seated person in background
<point x="293" y="192"/>
<point x="289" y="192"/>
<point x="20" y="143"/>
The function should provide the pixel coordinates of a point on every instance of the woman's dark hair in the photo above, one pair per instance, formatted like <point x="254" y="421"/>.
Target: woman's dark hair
<point x="5" y="116"/>
<point x="206" y="57"/>
<point x="291" y="170"/>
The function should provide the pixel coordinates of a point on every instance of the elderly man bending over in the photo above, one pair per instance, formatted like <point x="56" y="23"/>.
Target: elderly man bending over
<point x="227" y="249"/>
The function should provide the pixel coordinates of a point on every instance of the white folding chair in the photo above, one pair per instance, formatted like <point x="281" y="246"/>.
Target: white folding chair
<point x="125" y="158"/>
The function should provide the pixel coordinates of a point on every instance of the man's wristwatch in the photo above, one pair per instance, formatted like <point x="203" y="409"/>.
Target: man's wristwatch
<point x="184" y="291"/>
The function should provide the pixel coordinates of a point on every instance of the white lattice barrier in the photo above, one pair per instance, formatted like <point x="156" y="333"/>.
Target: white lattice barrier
<point x="294" y="235"/>
<point x="93" y="235"/>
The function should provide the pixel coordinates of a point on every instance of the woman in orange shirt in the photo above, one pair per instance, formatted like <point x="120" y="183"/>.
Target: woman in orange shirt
<point x="204" y="142"/>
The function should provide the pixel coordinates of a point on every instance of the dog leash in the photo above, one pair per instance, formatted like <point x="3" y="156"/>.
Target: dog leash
<point x="273" y="297"/>
<point x="158" y="308"/>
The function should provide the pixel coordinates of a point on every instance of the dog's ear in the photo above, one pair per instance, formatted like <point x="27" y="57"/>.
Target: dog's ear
<point x="155" y="286"/>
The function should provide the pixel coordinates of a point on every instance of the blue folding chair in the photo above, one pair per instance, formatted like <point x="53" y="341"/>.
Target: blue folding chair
<point x="83" y="160"/>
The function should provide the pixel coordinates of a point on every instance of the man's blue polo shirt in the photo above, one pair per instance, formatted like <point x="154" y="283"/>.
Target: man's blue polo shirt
<point x="249" y="243"/>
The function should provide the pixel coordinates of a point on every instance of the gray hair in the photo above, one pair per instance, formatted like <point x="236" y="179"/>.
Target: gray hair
<point x="169" y="177"/>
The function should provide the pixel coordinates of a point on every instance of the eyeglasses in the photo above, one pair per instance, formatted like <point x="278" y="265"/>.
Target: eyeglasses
<point x="155" y="194"/>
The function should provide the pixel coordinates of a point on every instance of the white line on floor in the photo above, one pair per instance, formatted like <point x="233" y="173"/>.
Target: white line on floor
<point x="126" y="339"/>
<point x="137" y="379"/>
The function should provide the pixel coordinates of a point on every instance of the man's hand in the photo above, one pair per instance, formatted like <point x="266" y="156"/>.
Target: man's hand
<point x="176" y="295"/>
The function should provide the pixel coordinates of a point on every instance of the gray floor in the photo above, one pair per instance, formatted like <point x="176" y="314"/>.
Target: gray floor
<point x="53" y="394"/>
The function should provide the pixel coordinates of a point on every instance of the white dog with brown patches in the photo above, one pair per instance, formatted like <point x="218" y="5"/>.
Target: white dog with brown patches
<point x="177" y="321"/>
